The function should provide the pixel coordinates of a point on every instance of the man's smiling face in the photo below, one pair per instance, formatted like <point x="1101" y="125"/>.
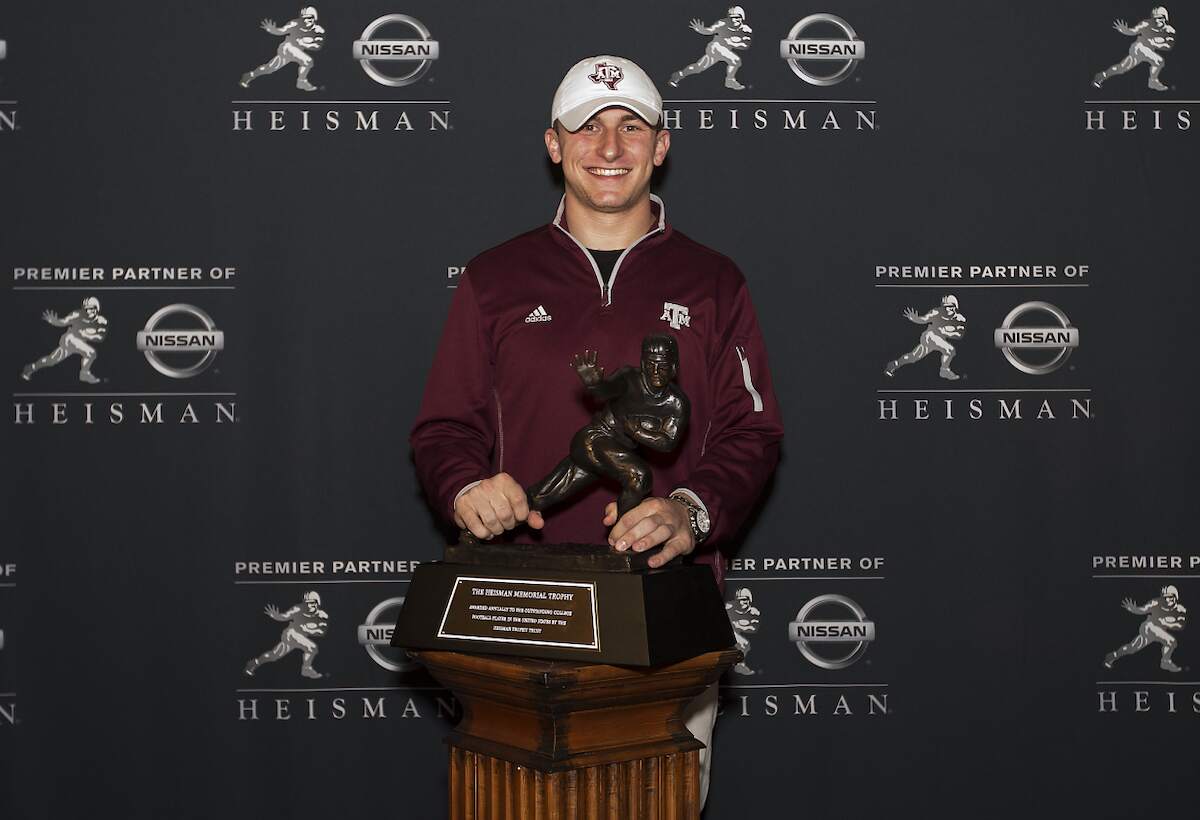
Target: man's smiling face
<point x="608" y="162"/>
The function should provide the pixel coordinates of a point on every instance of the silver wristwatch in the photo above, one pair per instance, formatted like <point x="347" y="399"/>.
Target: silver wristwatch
<point x="697" y="517"/>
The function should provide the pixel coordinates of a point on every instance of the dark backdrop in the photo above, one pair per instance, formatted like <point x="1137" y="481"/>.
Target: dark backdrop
<point x="983" y="519"/>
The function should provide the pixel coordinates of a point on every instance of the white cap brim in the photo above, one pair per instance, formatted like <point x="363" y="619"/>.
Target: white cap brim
<point x="575" y="118"/>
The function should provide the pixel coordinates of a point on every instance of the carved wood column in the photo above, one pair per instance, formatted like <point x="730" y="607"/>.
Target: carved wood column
<point x="563" y="740"/>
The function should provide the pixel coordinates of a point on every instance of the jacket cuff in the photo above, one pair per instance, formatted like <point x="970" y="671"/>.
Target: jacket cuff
<point x="691" y="495"/>
<point x="695" y="499"/>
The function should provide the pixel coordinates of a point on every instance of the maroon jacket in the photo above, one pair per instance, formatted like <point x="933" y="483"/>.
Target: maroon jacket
<point x="502" y="394"/>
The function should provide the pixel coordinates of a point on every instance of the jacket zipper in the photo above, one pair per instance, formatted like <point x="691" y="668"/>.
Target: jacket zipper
<point x="607" y="287"/>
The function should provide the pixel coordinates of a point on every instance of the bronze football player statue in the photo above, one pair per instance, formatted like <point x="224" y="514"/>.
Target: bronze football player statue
<point x="642" y="405"/>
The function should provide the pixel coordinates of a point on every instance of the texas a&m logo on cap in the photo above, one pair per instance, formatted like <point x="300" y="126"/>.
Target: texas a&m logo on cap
<point x="608" y="74"/>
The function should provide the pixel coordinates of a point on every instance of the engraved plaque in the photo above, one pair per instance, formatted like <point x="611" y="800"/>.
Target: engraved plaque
<point x="522" y="611"/>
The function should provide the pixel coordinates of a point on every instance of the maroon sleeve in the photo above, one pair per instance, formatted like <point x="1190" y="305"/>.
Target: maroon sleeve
<point x="741" y="449"/>
<point x="454" y="433"/>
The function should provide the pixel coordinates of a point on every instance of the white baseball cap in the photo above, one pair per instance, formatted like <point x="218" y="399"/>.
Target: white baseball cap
<point x="600" y="82"/>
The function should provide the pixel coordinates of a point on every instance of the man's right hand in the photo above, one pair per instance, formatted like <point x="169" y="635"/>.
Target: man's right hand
<point x="494" y="505"/>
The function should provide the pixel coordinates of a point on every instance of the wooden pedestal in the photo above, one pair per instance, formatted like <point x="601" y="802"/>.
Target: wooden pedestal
<point x="565" y="740"/>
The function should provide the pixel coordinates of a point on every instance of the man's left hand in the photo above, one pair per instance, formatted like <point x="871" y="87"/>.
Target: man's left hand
<point x="654" y="521"/>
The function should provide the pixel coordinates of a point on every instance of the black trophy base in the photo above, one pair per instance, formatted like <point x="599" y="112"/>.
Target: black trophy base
<point x="568" y="557"/>
<point x="577" y="603"/>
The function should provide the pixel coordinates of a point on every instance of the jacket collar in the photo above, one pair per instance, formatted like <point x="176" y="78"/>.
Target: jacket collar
<point x="655" y="234"/>
<point x="657" y="207"/>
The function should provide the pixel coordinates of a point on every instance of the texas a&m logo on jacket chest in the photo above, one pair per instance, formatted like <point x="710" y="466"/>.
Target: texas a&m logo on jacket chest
<point x="676" y="316"/>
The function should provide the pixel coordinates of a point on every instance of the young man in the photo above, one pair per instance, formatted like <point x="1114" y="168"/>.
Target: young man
<point x="503" y="398"/>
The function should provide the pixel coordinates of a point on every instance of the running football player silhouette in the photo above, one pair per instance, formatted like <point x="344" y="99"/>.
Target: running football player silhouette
<point x="942" y="325"/>
<point x="730" y="34"/>
<point x="1154" y="35"/>
<point x="300" y="36"/>
<point x="306" y="621"/>
<point x="84" y="326"/>
<point x="1164" y="615"/>
<point x="743" y="617"/>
